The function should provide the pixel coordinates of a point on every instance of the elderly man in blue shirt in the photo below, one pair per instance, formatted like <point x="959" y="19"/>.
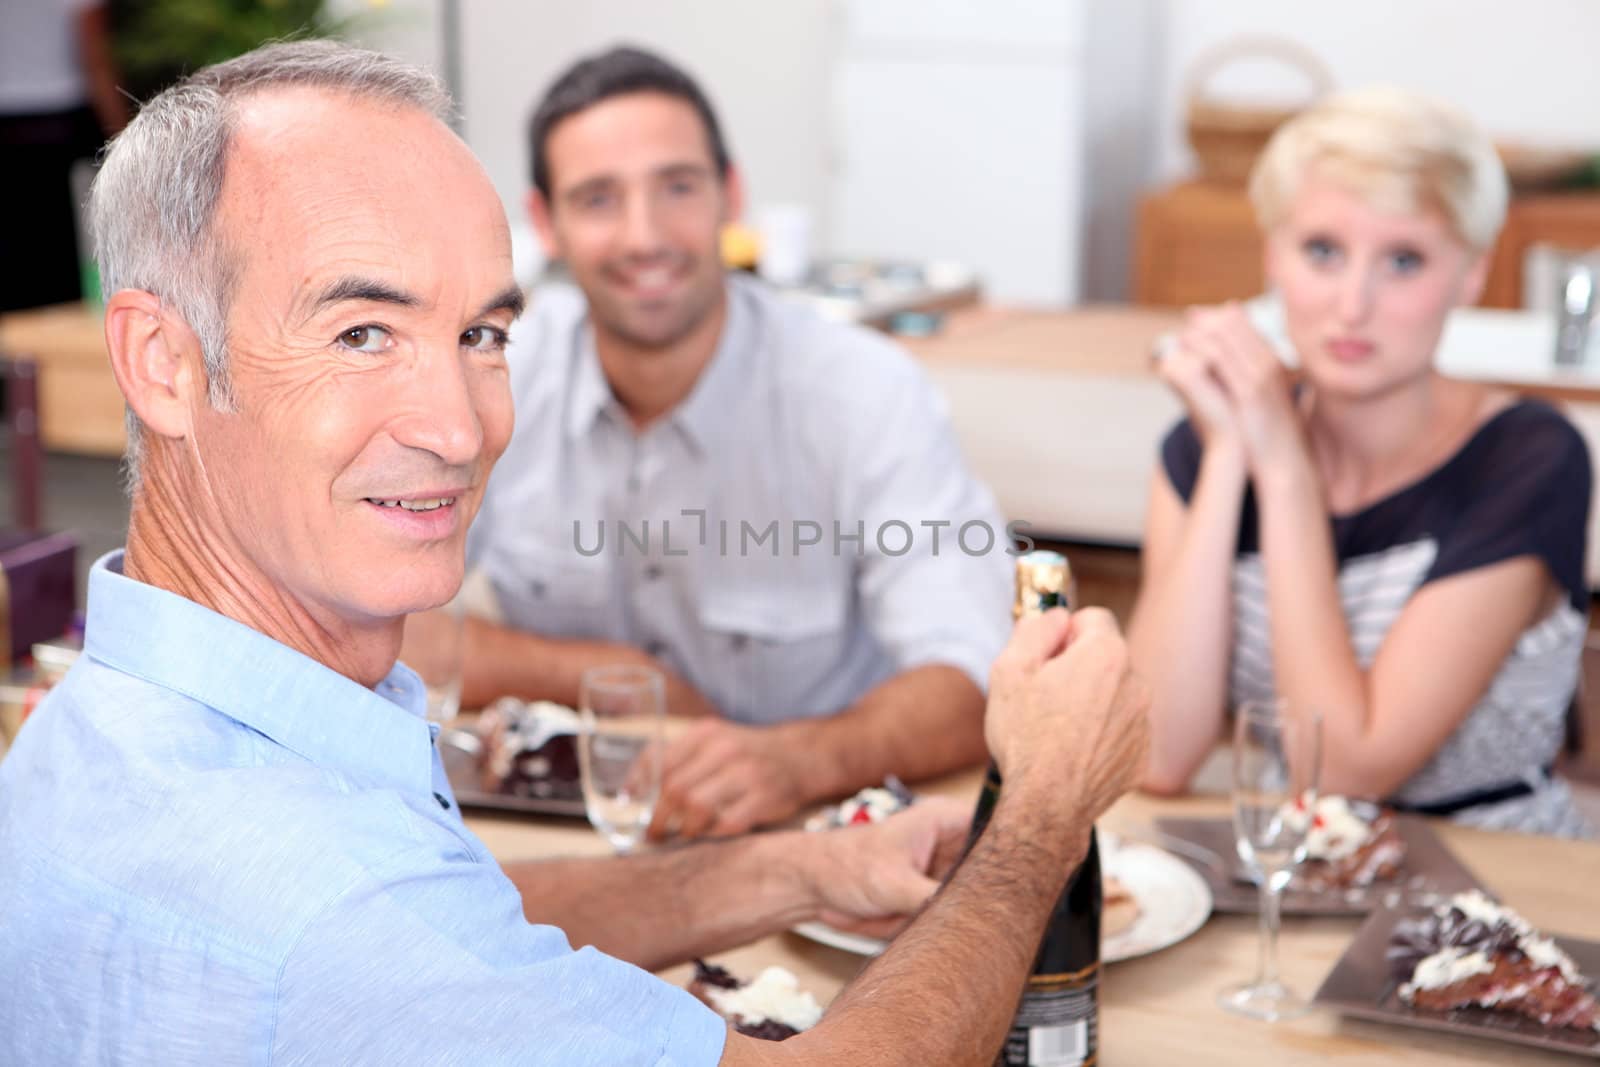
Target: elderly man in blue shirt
<point x="768" y="506"/>
<point x="226" y="836"/>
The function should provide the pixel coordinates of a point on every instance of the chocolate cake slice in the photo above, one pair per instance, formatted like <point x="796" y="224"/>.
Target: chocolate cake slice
<point x="530" y="750"/>
<point x="773" y="1007"/>
<point x="1472" y="953"/>
<point x="872" y="804"/>
<point x="1349" y="844"/>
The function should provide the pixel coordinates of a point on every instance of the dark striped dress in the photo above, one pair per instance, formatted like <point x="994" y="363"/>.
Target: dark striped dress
<point x="1519" y="487"/>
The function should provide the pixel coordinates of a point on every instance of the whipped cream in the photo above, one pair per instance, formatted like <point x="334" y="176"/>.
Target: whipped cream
<point x="1541" y="951"/>
<point x="1335" y="831"/>
<point x="1446" y="967"/>
<point x="873" y="804"/>
<point x="775" y="994"/>
<point x="528" y="728"/>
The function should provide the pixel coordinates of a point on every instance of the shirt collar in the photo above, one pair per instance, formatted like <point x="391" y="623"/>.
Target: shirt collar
<point x="591" y="393"/>
<point x="380" y="736"/>
<point x="704" y="413"/>
<point x="707" y="412"/>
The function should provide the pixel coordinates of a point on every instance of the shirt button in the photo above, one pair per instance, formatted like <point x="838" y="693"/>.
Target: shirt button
<point x="656" y="649"/>
<point x="443" y="803"/>
<point x="633" y="483"/>
<point x="738" y="642"/>
<point x="536" y="588"/>
<point x="652" y="572"/>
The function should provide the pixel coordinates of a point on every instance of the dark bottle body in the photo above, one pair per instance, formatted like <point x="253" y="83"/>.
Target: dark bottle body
<point x="1057" y="1020"/>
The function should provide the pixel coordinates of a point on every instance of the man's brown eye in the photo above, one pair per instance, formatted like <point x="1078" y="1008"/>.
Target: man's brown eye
<point x="364" y="338"/>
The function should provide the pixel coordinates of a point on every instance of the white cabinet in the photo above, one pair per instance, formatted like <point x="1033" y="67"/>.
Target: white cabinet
<point x="957" y="135"/>
<point x="960" y="131"/>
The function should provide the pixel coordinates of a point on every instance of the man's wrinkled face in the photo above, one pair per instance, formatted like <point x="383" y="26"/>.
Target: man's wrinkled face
<point x="636" y="210"/>
<point x="366" y="340"/>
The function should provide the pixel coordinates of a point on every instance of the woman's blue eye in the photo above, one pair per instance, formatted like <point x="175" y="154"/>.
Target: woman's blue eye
<point x="365" y="339"/>
<point x="1320" y="250"/>
<point x="1406" y="260"/>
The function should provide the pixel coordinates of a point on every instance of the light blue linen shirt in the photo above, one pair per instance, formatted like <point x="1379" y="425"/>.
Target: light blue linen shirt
<point x="799" y="430"/>
<point x="214" y="850"/>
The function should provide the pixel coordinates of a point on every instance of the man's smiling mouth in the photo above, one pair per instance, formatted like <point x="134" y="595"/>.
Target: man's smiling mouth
<point x="433" y="504"/>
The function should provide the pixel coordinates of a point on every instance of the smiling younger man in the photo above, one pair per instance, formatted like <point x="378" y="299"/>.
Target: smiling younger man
<point x="226" y="836"/>
<point x="808" y="579"/>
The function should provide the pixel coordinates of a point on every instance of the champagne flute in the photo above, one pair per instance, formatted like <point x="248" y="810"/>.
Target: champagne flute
<point x="1277" y="759"/>
<point x="621" y="735"/>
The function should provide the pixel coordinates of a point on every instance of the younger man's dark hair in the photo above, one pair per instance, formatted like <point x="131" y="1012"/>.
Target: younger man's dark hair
<point x="616" y="72"/>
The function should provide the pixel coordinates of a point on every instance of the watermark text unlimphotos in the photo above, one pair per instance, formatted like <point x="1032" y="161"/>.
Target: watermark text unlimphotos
<point x="728" y="537"/>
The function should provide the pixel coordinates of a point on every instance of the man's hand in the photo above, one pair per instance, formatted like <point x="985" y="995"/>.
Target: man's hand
<point x="1066" y="713"/>
<point x="872" y="879"/>
<point x="720" y="778"/>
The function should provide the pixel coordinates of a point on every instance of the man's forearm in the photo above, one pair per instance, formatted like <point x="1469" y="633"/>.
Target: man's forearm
<point x="502" y="661"/>
<point x="946" y="990"/>
<point x="662" y="908"/>
<point x="924" y="722"/>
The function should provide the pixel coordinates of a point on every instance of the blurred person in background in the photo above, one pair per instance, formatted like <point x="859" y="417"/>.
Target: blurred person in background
<point x="663" y="390"/>
<point x="1400" y="550"/>
<point x="58" y="104"/>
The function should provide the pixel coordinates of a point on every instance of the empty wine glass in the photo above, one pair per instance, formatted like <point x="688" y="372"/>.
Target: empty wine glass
<point x="620" y="739"/>
<point x="1277" y="759"/>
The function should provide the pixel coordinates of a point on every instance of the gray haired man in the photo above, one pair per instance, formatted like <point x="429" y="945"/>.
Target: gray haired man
<point x="227" y="837"/>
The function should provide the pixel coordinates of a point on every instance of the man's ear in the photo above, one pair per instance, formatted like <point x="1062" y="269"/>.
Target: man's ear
<point x="148" y="345"/>
<point x="543" y="225"/>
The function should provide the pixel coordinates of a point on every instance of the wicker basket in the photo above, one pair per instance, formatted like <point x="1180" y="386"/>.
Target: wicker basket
<point x="1227" y="137"/>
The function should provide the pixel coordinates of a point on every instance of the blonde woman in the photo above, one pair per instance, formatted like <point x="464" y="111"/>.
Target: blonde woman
<point x="1402" y="550"/>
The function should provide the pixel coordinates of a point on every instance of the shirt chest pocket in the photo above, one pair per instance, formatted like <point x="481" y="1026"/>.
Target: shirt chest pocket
<point x="561" y="593"/>
<point x="773" y="649"/>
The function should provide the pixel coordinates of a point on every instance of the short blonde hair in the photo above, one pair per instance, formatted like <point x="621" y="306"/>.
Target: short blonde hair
<point x="1399" y="150"/>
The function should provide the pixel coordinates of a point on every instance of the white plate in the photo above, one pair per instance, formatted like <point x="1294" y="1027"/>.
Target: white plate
<point x="1174" y="902"/>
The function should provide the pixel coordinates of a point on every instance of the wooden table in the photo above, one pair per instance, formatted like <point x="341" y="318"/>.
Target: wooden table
<point x="1161" y="1009"/>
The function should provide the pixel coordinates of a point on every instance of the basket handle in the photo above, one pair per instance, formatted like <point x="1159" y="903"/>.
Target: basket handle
<point x="1292" y="53"/>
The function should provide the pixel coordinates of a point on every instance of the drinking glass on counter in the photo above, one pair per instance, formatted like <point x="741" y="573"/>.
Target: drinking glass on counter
<point x="621" y="712"/>
<point x="1277" y="760"/>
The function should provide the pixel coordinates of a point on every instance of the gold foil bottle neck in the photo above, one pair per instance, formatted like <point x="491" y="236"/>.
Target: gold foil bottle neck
<point x="1044" y="581"/>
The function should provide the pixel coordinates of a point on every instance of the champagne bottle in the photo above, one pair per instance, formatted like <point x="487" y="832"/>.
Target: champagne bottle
<point x="1057" y="1021"/>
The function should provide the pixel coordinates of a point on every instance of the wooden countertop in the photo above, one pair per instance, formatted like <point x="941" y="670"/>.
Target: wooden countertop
<point x="1117" y="340"/>
<point x="1162" y="1008"/>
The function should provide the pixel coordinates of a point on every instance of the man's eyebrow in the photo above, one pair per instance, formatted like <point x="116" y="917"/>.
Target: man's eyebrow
<point x="598" y="183"/>
<point x="683" y="170"/>
<point x="508" y="299"/>
<point x="355" y="288"/>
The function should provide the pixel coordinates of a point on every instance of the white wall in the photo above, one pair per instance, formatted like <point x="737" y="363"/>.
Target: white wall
<point x="1526" y="69"/>
<point x="765" y="66"/>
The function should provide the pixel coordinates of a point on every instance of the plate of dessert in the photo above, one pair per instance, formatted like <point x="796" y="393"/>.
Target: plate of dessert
<point x="1150" y="899"/>
<point x="1470" y="965"/>
<point x="518" y="756"/>
<point x="1358" y="856"/>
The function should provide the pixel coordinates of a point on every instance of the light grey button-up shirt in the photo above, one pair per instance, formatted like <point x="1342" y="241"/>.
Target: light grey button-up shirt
<point x="801" y="528"/>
